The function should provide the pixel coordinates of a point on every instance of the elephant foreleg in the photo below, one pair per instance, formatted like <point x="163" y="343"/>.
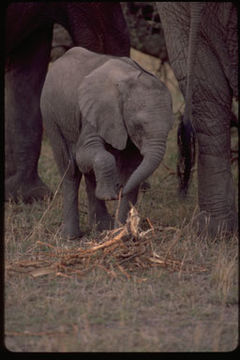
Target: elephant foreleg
<point x="25" y="74"/>
<point x="97" y="210"/>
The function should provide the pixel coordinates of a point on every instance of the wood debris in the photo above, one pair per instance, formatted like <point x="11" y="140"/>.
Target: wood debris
<point x="120" y="251"/>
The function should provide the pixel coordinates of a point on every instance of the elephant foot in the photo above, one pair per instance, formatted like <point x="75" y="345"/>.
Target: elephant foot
<point x="104" y="223"/>
<point x="207" y="225"/>
<point x="71" y="235"/>
<point x="27" y="191"/>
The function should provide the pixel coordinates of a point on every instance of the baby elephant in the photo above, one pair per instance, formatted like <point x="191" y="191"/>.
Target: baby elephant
<point x="106" y="118"/>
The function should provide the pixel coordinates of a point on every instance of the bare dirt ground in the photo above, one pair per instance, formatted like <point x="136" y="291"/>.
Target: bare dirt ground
<point x="189" y="303"/>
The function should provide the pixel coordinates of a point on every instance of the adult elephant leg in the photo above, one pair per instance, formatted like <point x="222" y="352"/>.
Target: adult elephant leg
<point x="98" y="26"/>
<point x="212" y="119"/>
<point x="25" y="74"/>
<point x="215" y="183"/>
<point x="97" y="210"/>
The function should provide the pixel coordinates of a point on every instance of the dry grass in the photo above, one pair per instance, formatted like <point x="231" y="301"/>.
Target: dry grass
<point x="124" y="249"/>
<point x="187" y="302"/>
<point x="152" y="286"/>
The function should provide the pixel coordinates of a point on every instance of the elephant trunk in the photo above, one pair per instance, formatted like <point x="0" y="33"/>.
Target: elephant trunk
<point x="152" y="157"/>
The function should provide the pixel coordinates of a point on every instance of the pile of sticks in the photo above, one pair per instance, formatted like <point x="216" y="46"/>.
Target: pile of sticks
<point x="120" y="251"/>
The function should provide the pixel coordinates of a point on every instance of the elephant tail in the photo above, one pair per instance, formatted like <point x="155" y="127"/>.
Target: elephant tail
<point x="186" y="134"/>
<point x="186" y="158"/>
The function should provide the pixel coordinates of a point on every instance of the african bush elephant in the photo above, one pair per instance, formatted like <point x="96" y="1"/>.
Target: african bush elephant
<point x="108" y="119"/>
<point x="99" y="27"/>
<point x="202" y="46"/>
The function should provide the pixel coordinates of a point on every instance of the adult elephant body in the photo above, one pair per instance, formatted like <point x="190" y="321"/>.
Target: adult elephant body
<point x="202" y="46"/>
<point x="100" y="27"/>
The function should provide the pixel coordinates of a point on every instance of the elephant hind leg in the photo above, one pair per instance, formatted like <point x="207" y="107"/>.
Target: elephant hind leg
<point x="97" y="210"/>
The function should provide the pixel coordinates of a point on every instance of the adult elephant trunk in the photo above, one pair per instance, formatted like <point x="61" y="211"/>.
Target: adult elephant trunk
<point x="152" y="156"/>
<point x="186" y="135"/>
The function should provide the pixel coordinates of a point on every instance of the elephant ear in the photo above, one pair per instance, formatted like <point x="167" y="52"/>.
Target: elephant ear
<point x="100" y="102"/>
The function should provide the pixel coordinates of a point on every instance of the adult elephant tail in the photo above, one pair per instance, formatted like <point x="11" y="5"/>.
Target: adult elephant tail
<point x="186" y="133"/>
<point x="186" y="155"/>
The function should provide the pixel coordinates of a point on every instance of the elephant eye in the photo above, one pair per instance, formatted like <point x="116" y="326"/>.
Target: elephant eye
<point x="139" y="127"/>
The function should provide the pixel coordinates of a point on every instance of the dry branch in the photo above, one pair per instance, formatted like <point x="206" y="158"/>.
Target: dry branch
<point x="120" y="251"/>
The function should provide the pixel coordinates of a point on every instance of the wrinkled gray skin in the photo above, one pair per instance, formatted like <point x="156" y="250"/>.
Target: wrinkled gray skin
<point x="205" y="63"/>
<point x="108" y="119"/>
<point x="98" y="27"/>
